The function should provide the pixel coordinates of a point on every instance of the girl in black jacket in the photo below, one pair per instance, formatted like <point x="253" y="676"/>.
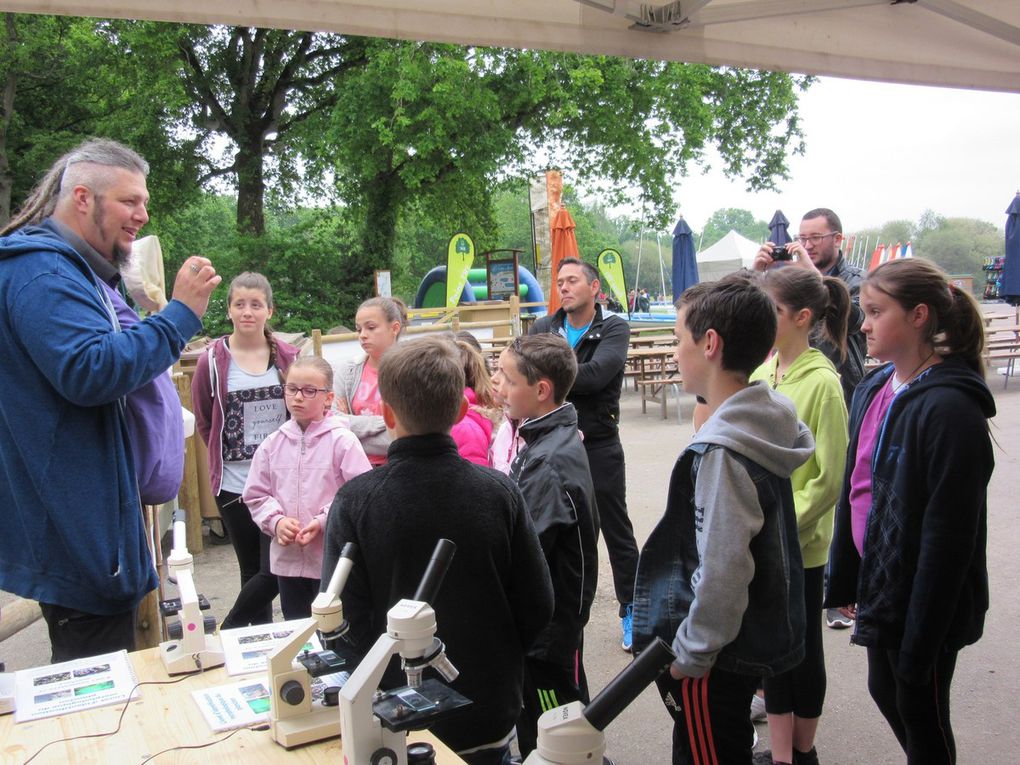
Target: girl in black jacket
<point x="908" y="552"/>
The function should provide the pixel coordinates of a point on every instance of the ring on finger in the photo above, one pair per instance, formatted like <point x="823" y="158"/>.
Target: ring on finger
<point x="194" y="268"/>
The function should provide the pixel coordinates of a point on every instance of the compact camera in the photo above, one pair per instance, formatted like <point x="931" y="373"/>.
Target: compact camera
<point x="779" y="252"/>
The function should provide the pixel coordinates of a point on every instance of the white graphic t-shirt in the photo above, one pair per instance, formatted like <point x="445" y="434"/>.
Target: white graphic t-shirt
<point x="254" y="408"/>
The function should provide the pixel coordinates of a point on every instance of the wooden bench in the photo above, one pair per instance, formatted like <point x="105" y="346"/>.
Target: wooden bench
<point x="655" y="389"/>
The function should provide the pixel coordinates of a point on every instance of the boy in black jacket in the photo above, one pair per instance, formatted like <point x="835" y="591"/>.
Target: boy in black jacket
<point x="496" y="597"/>
<point x="552" y="472"/>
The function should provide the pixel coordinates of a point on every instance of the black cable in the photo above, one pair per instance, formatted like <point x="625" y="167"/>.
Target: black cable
<point x="120" y="719"/>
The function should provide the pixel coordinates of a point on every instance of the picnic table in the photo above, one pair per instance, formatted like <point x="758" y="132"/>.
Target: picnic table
<point x="655" y="374"/>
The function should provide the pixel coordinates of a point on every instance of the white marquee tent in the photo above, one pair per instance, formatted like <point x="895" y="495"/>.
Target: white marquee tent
<point x="729" y="254"/>
<point x="960" y="43"/>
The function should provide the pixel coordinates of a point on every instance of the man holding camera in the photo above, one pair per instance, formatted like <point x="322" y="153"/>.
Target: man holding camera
<point x="817" y="246"/>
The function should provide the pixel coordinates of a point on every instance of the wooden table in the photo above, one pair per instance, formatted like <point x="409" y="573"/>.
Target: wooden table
<point x="164" y="717"/>
<point x="661" y="328"/>
<point x="648" y="341"/>
<point x="655" y="373"/>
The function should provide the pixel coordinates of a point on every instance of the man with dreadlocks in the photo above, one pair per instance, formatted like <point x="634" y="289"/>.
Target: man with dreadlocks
<point x="73" y="383"/>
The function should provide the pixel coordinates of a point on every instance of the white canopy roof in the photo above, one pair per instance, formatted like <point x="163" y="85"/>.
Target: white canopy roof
<point x="729" y="254"/>
<point x="960" y="43"/>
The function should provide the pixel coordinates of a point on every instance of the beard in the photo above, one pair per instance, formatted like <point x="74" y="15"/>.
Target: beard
<point x="119" y="255"/>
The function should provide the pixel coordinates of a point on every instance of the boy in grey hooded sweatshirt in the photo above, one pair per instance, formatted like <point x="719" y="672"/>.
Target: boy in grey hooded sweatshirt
<point x="721" y="575"/>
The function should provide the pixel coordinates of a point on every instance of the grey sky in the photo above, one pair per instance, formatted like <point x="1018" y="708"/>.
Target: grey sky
<point x="879" y="152"/>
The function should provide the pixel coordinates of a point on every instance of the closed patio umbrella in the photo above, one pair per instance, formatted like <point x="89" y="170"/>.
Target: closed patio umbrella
<point x="1010" y="290"/>
<point x="564" y="245"/>
<point x="779" y="229"/>
<point x="685" y="262"/>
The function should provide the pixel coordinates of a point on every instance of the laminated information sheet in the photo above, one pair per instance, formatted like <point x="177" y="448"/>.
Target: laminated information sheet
<point x="247" y="649"/>
<point x="59" y="689"/>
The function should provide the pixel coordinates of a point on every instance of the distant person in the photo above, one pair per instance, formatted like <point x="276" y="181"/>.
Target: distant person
<point x="295" y="474"/>
<point x="496" y="597"/>
<point x="805" y="301"/>
<point x="552" y="473"/>
<point x="908" y="552"/>
<point x="817" y="246"/>
<point x="237" y="393"/>
<point x="600" y="344"/>
<point x="379" y="323"/>
<point x="74" y="537"/>
<point x="644" y="304"/>
<point x="721" y="574"/>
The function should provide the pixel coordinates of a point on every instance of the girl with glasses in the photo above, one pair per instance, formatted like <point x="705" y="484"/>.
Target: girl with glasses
<point x="294" y="476"/>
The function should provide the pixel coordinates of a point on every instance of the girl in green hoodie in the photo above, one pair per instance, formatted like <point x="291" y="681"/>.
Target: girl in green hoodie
<point x="807" y="303"/>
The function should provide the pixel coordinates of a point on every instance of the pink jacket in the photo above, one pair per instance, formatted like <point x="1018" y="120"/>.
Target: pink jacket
<point x="473" y="433"/>
<point x="297" y="474"/>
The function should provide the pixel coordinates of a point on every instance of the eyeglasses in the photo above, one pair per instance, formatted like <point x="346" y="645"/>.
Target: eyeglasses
<point x="308" y="391"/>
<point x="816" y="238"/>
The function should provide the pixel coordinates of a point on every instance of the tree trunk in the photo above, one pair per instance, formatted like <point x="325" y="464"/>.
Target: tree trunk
<point x="382" y="211"/>
<point x="10" y="87"/>
<point x="251" y="187"/>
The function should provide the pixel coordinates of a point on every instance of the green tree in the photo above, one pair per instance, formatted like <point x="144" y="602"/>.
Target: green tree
<point x="257" y="88"/>
<point x="64" y="79"/>
<point x="727" y="219"/>
<point x="960" y="245"/>
<point x="441" y="124"/>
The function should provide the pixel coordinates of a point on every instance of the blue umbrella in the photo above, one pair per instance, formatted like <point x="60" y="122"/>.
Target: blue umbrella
<point x="778" y="229"/>
<point x="685" y="262"/>
<point x="1010" y="289"/>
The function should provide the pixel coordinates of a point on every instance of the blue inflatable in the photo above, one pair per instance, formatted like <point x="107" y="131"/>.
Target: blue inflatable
<point x="432" y="290"/>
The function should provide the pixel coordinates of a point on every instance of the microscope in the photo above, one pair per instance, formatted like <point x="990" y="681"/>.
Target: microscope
<point x="572" y="734"/>
<point x="193" y="644"/>
<point x="293" y="720"/>
<point x="374" y="725"/>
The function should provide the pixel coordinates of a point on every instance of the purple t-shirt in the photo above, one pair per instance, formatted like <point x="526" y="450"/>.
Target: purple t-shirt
<point x="860" y="478"/>
<point x="155" y="424"/>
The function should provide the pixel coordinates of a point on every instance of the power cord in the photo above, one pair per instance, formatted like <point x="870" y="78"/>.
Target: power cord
<point x="262" y="727"/>
<point x="120" y="719"/>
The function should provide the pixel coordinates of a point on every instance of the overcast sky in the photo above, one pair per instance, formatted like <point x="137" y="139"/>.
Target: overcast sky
<point x="878" y="152"/>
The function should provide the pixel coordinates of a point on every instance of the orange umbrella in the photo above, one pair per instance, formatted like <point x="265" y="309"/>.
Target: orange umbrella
<point x="564" y="245"/>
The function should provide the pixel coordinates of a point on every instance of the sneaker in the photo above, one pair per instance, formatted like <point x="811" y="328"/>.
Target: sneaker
<point x="757" y="708"/>
<point x="627" y="622"/>
<point x="835" y="619"/>
<point x="805" y="758"/>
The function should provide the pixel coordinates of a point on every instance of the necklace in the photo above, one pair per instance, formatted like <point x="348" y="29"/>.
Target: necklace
<point x="897" y="388"/>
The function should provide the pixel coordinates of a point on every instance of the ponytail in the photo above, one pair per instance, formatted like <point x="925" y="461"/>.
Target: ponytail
<point x="835" y="319"/>
<point x="826" y="298"/>
<point x="955" y="325"/>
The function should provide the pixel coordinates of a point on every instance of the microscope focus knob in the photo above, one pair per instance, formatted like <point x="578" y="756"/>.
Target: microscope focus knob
<point x="292" y="692"/>
<point x="383" y="756"/>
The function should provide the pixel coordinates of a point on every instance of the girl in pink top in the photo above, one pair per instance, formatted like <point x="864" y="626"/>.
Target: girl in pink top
<point x="379" y="323"/>
<point x="294" y="476"/>
<point x="473" y="434"/>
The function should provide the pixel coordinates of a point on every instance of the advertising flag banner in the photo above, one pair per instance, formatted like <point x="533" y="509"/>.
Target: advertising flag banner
<point x="611" y="267"/>
<point x="459" y="257"/>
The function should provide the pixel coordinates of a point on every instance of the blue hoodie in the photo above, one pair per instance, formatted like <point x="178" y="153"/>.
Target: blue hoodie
<point x="73" y="532"/>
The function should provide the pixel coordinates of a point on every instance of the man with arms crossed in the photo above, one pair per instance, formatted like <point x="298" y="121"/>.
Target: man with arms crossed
<point x="600" y="343"/>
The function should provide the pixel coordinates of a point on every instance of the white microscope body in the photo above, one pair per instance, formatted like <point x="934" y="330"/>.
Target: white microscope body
<point x="410" y="632"/>
<point x="292" y="719"/>
<point x="573" y="734"/>
<point x="194" y="649"/>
